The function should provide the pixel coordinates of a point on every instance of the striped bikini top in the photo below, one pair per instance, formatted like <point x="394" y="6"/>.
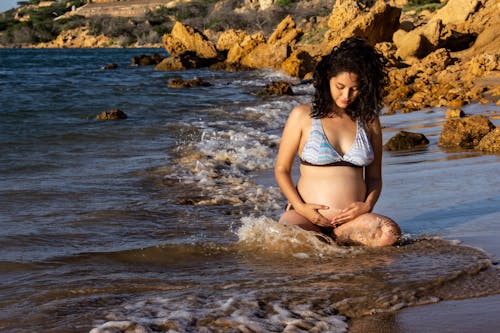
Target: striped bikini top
<point x="319" y="152"/>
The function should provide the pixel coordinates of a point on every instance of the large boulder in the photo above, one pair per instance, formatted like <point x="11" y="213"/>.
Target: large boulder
<point x="465" y="132"/>
<point x="186" y="38"/>
<point x="266" y="56"/>
<point x="457" y="11"/>
<point x="299" y="64"/>
<point x="404" y="140"/>
<point x="376" y="23"/>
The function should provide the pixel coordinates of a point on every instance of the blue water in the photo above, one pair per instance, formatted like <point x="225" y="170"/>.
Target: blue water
<point x="166" y="219"/>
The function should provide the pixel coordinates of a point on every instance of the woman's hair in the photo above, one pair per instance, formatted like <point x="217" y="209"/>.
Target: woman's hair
<point x="353" y="55"/>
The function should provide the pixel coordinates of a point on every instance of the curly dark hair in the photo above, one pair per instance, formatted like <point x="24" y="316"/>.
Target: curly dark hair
<point x="353" y="55"/>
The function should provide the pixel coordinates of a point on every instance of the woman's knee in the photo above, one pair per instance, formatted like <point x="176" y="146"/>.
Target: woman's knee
<point x="370" y="230"/>
<point x="390" y="232"/>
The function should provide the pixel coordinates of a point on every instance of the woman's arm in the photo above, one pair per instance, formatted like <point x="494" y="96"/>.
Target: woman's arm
<point x="289" y="145"/>
<point x="373" y="172"/>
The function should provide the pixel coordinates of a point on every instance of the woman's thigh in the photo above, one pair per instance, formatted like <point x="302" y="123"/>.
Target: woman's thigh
<point x="368" y="229"/>
<point x="292" y="217"/>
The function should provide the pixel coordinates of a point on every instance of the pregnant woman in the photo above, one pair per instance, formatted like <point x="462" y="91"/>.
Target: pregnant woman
<point x="339" y="142"/>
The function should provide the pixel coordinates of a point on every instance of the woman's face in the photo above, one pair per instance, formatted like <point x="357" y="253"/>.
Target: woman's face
<point x="344" y="88"/>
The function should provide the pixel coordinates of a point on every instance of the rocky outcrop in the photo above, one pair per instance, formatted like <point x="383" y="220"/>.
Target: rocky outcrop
<point x="465" y="132"/>
<point x="406" y="140"/>
<point x="79" y="38"/>
<point x="185" y="38"/>
<point x="458" y="26"/>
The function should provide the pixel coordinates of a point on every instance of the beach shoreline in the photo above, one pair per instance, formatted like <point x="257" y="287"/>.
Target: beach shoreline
<point x="457" y="316"/>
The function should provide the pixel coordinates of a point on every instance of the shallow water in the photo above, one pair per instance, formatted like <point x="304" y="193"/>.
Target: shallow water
<point x="166" y="220"/>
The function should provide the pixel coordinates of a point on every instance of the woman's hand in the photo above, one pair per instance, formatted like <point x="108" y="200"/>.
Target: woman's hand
<point x="310" y="212"/>
<point x="349" y="213"/>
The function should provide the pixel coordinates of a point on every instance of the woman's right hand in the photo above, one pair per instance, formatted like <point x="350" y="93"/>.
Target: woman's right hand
<point x="310" y="212"/>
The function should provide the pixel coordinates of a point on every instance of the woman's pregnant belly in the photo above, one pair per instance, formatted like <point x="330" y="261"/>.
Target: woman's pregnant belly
<point x="335" y="187"/>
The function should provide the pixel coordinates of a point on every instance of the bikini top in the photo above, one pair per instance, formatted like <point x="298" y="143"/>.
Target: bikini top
<point x="319" y="152"/>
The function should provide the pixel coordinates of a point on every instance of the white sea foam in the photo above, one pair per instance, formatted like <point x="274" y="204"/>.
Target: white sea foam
<point x="243" y="312"/>
<point x="265" y="234"/>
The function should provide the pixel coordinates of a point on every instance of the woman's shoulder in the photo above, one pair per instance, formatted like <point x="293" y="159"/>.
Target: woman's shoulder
<point x="373" y="126"/>
<point x="302" y="111"/>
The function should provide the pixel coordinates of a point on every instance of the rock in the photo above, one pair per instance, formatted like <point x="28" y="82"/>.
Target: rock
<point x="490" y="142"/>
<point x="457" y="11"/>
<point x="299" y="64"/>
<point x="285" y="33"/>
<point x="277" y="88"/>
<point x="406" y="140"/>
<point x="389" y="50"/>
<point x="411" y="44"/>
<point x="111" y="115"/>
<point x="439" y="32"/>
<point x="465" y="132"/>
<point x="184" y="60"/>
<point x="343" y="13"/>
<point x="147" y="60"/>
<point x="376" y="23"/>
<point x="437" y="61"/>
<point x="240" y="50"/>
<point x="483" y="63"/>
<point x="186" y="38"/>
<point x="110" y="66"/>
<point x="229" y="38"/>
<point x="454" y="113"/>
<point x="266" y="56"/>
<point x="80" y="37"/>
<point x="181" y="83"/>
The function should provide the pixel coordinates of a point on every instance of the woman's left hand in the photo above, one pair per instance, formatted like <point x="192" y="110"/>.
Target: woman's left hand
<point x="349" y="213"/>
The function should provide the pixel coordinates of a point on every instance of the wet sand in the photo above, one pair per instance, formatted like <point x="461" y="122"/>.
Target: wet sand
<point x="460" y="316"/>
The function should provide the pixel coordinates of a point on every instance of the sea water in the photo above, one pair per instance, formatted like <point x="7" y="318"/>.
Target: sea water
<point x="166" y="221"/>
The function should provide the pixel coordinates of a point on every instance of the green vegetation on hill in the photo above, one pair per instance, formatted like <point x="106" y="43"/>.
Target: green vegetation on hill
<point x="419" y="5"/>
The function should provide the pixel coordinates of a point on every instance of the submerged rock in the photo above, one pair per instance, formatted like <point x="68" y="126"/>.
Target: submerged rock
<point x="111" y="115"/>
<point x="181" y="83"/>
<point x="276" y="88"/>
<point x="110" y="66"/>
<point x="147" y="60"/>
<point x="406" y="140"/>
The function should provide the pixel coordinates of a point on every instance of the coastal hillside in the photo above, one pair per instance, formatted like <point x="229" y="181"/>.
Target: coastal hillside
<point x="138" y="23"/>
